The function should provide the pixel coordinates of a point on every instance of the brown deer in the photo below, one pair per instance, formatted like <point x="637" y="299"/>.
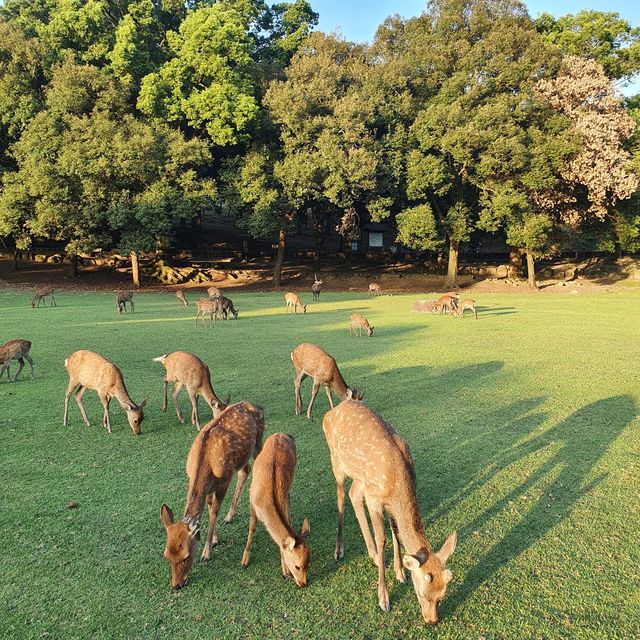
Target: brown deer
<point x="367" y="449"/>
<point x="208" y="306"/>
<point x="273" y="473"/>
<point x="181" y="297"/>
<point x="122" y="297"/>
<point x="41" y="294"/>
<point x="310" y="360"/>
<point x="292" y="301"/>
<point x="88" y="370"/>
<point x="316" y="288"/>
<point x="221" y="448"/>
<point x="466" y="304"/>
<point x="358" y="323"/>
<point x="227" y="308"/>
<point x="446" y="303"/>
<point x="185" y="369"/>
<point x="375" y="289"/>
<point x="214" y="292"/>
<point x="15" y="350"/>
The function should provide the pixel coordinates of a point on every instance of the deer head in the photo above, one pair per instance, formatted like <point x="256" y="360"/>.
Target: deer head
<point x="296" y="554"/>
<point x="369" y="331"/>
<point x="219" y="406"/>
<point x="430" y="578"/>
<point x="182" y="545"/>
<point x="135" y="415"/>
<point x="354" y="394"/>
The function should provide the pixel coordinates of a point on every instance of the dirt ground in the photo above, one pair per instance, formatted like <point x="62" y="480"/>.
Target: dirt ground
<point x="256" y="276"/>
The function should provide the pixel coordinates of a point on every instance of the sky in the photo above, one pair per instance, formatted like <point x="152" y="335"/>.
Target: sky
<point x="358" y="20"/>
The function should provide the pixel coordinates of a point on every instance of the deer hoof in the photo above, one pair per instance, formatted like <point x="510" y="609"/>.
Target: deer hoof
<point x="206" y="555"/>
<point x="384" y="604"/>
<point x="339" y="553"/>
<point x="400" y="576"/>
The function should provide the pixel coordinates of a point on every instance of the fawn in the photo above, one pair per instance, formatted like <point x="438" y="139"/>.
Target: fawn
<point x="122" y="297"/>
<point x="466" y="304"/>
<point x="367" y="449"/>
<point x="273" y="473"/>
<point x="15" y="350"/>
<point x="316" y="288"/>
<point x="208" y="306"/>
<point x="88" y="370"/>
<point x="292" y="301"/>
<point x="358" y="323"/>
<point x="185" y="369"/>
<point x="375" y="289"/>
<point x="310" y="360"/>
<point x="222" y="448"/>
<point x="181" y="297"/>
<point x="41" y="294"/>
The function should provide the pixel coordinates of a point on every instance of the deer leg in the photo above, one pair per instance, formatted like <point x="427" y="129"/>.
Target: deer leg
<point x="55" y="304"/>
<point x="398" y="569"/>
<point x="296" y="383"/>
<point x="339" y="552"/>
<point x="5" y="367"/>
<point x="20" y="365"/>
<point x="176" y="390"/>
<point x="132" y="307"/>
<point x="377" y="520"/>
<point x="165" y="384"/>
<point x="194" y="408"/>
<point x="78" y="396"/>
<point x="70" y="388"/>
<point x="242" y="478"/>
<point x="253" y="521"/>
<point x="314" y="393"/>
<point x="105" y="416"/>
<point x="356" y="495"/>
<point x="30" y="361"/>
<point x="214" y="500"/>
<point x="328" y="392"/>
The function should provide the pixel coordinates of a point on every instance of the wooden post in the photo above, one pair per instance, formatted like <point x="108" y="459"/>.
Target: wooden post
<point x="135" y="269"/>
<point x="277" y="267"/>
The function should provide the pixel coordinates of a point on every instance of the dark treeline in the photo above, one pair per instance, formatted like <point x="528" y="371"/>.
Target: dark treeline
<point x="118" y="117"/>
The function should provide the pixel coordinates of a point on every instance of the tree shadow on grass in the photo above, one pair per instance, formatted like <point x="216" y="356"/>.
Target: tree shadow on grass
<point x="585" y="437"/>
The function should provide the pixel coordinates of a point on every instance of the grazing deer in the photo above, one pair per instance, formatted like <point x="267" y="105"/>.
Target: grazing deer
<point x="273" y="472"/>
<point x="375" y="289"/>
<point x="223" y="447"/>
<point x="358" y="323"/>
<point x="180" y="295"/>
<point x="214" y="292"/>
<point x="447" y="303"/>
<point x="122" y="297"/>
<point x="367" y="449"/>
<point x="316" y="288"/>
<point x="466" y="304"/>
<point x="41" y="294"/>
<point x="88" y="370"/>
<point x="185" y="369"/>
<point x="15" y="350"/>
<point x="292" y="301"/>
<point x="227" y="308"/>
<point x="311" y="360"/>
<point x="208" y="306"/>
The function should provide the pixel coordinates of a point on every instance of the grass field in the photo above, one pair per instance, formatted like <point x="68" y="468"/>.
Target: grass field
<point x="523" y="426"/>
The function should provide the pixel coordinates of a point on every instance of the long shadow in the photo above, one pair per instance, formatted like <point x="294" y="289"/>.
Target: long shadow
<point x="585" y="436"/>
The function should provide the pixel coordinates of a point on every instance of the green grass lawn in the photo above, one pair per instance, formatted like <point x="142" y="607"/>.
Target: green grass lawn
<point x="523" y="426"/>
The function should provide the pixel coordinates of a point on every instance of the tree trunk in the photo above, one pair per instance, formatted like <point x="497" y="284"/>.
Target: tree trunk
<point x="531" y="271"/>
<point x="135" y="269"/>
<point x="277" y="267"/>
<point x="15" y="260"/>
<point x="515" y="263"/>
<point x="74" y="265"/>
<point x="451" y="278"/>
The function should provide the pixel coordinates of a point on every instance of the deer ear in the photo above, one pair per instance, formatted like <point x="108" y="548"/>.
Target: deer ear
<point x="194" y="526"/>
<point x="143" y="403"/>
<point x="349" y="394"/>
<point x="447" y="576"/>
<point x="410" y="562"/>
<point x="289" y="543"/>
<point x="304" y="531"/>
<point x="448" y="547"/>
<point x="166" y="515"/>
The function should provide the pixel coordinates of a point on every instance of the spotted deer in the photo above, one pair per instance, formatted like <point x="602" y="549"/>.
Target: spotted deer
<point x="15" y="350"/>
<point x="365" y="448"/>
<point x="223" y="447"/>
<point x="310" y="360"/>
<point x="466" y="304"/>
<point x="273" y="473"/>
<point x="41" y="294"/>
<point x="185" y="369"/>
<point x="358" y="323"/>
<point x="375" y="289"/>
<point x="292" y="301"/>
<point x="181" y="298"/>
<point x="211" y="307"/>
<point x="88" y="370"/>
<point x="316" y="288"/>
<point x="122" y="297"/>
<point x="214" y="292"/>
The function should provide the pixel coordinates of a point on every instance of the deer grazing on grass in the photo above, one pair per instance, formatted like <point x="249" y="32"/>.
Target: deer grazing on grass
<point x="375" y="289"/>
<point x="185" y="369"/>
<point x="41" y="294"/>
<point x="88" y="370"/>
<point x="208" y="307"/>
<point x="273" y="473"/>
<point x="311" y="360"/>
<point x="316" y="288"/>
<point x="15" y="350"/>
<point x="447" y="303"/>
<point x="214" y="292"/>
<point x="366" y="448"/>
<point x="122" y="297"/>
<point x="227" y="308"/>
<point x="181" y="297"/>
<point x="292" y="301"/>
<point x="358" y="323"/>
<point x="466" y="304"/>
<point x="221" y="448"/>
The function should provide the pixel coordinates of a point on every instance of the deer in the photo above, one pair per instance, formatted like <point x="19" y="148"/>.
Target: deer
<point x="181" y="297"/>
<point x="89" y="370"/>
<point x="375" y="289"/>
<point x="214" y="292"/>
<point x="41" y="294"/>
<point x="365" y="448"/>
<point x="227" y="308"/>
<point x="466" y="304"/>
<point x="122" y="297"/>
<point x="292" y="301"/>
<point x="273" y="472"/>
<point x="448" y="302"/>
<point x="185" y="369"/>
<point x="15" y="350"/>
<point x="316" y="288"/>
<point x="310" y="360"/>
<point x="223" y="447"/>
<point x="358" y="323"/>
<point x="208" y="306"/>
